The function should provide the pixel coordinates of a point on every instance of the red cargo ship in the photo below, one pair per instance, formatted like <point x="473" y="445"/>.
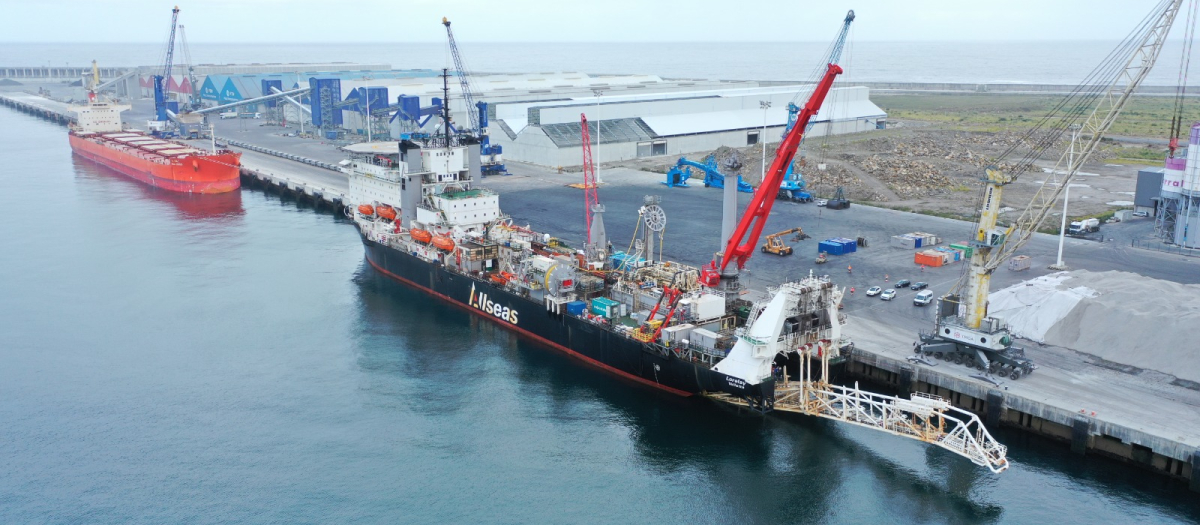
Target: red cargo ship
<point x="160" y="163"/>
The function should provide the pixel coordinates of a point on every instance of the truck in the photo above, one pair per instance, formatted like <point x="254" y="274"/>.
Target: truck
<point x="228" y="114"/>
<point x="1084" y="227"/>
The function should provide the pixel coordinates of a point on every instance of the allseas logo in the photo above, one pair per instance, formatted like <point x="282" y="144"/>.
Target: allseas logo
<point x="735" y="382"/>
<point x="482" y="302"/>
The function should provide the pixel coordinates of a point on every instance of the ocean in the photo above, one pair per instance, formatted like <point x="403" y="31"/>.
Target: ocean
<point x="232" y="359"/>
<point x="957" y="62"/>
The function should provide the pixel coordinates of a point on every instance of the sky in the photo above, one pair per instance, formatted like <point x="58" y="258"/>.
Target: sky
<point x="354" y="21"/>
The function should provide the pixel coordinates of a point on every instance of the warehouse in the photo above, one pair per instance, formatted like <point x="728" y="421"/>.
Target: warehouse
<point x="675" y="123"/>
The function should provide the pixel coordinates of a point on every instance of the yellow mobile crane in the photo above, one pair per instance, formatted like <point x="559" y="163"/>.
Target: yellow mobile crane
<point x="964" y="333"/>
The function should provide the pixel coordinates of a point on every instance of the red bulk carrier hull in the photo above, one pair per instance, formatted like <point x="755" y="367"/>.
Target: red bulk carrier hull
<point x="161" y="163"/>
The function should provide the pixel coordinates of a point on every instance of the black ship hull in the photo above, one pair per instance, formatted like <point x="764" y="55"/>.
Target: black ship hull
<point x="587" y="341"/>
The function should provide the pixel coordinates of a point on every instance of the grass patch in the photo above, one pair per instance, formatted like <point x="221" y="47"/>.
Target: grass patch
<point x="1142" y="117"/>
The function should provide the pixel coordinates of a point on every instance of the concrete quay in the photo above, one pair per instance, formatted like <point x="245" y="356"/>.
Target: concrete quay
<point x="39" y="106"/>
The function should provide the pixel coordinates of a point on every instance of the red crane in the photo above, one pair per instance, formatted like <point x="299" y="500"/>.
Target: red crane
<point x="744" y="240"/>
<point x="590" y="197"/>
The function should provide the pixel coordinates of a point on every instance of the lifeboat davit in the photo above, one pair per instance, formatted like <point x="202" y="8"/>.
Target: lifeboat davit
<point x="366" y="209"/>
<point x="420" y="235"/>
<point x="442" y="242"/>
<point x="386" y="212"/>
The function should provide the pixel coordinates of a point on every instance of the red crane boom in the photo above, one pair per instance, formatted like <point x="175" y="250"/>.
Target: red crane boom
<point x="590" y="197"/>
<point x="745" y="238"/>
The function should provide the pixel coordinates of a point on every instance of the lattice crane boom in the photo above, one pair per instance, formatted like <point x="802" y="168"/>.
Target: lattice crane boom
<point x="463" y="81"/>
<point x="994" y="245"/>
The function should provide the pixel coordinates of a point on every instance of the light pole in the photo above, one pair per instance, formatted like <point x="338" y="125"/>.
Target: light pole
<point x="762" y="137"/>
<point x="1062" y="229"/>
<point x="597" y="92"/>
<point x="367" y="116"/>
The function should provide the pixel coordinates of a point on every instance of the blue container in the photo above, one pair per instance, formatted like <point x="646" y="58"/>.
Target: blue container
<point x="576" y="307"/>
<point x="831" y="247"/>
<point x="331" y="135"/>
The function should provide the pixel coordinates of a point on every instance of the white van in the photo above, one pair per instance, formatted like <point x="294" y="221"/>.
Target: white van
<point x="923" y="298"/>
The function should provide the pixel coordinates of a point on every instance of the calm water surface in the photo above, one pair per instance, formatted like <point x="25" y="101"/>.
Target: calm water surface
<point x="167" y="359"/>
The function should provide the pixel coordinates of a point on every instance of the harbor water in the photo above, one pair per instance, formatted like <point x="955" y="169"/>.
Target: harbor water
<point x="231" y="358"/>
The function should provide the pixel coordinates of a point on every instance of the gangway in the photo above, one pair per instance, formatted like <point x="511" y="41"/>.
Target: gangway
<point x="923" y="417"/>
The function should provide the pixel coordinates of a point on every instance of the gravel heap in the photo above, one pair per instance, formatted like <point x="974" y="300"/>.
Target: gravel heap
<point x="1118" y="316"/>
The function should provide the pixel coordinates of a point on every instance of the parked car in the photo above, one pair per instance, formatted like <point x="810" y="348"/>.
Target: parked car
<point x="1141" y="214"/>
<point x="822" y="202"/>
<point x="873" y="291"/>
<point x="919" y="286"/>
<point x="888" y="294"/>
<point x="923" y="298"/>
<point x="903" y="283"/>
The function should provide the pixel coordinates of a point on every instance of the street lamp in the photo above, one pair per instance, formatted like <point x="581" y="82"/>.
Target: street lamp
<point x="1062" y="229"/>
<point x="598" y="93"/>
<point x="765" y="105"/>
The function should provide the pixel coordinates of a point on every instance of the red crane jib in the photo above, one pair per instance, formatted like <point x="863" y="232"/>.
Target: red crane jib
<point x="590" y="198"/>
<point x="745" y="238"/>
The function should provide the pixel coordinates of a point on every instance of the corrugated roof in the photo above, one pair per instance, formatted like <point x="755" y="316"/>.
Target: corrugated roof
<point x="613" y="131"/>
<point x="707" y="122"/>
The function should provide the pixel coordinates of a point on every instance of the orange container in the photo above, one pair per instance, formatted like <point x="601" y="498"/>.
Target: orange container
<point x="927" y="260"/>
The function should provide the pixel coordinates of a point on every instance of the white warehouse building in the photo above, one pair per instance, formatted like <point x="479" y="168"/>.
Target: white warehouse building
<point x="548" y="133"/>
<point x="535" y="116"/>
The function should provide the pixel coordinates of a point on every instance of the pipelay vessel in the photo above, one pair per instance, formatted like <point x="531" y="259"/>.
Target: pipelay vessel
<point x="424" y="224"/>
<point x="99" y="136"/>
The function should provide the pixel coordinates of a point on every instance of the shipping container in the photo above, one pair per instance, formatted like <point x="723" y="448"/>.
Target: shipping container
<point x="963" y="247"/>
<point x="904" y="241"/>
<point x="1019" y="263"/>
<point x="926" y="259"/>
<point x="576" y="308"/>
<point x="704" y="338"/>
<point x="673" y="335"/>
<point x="831" y="247"/>
<point x="605" y="307"/>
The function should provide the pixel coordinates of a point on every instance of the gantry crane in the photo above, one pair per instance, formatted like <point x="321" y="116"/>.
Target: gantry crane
<point x="740" y="246"/>
<point x="967" y="334"/>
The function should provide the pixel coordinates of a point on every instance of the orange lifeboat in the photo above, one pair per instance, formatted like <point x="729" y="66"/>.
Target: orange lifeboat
<point x="366" y="209"/>
<point x="420" y="235"/>
<point x="386" y="212"/>
<point x="442" y="242"/>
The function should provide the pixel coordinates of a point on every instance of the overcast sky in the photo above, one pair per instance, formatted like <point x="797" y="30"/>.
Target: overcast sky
<point x="237" y="21"/>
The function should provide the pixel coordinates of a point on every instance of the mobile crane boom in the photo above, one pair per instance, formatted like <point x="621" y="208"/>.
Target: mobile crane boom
<point x="745" y="238"/>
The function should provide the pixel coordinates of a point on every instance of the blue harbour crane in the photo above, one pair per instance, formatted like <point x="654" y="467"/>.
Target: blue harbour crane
<point x="477" y="115"/>
<point x="160" y="81"/>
